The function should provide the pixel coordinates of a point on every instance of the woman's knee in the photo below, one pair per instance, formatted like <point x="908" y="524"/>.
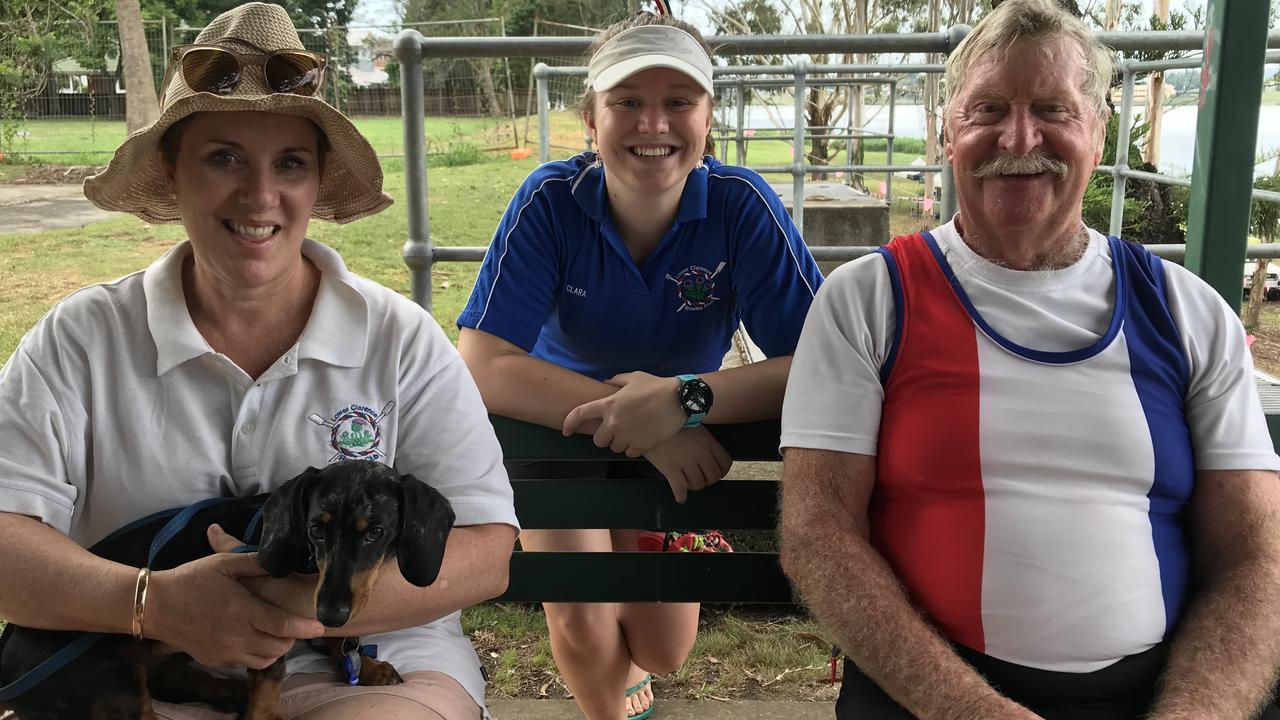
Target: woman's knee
<point x="583" y="627"/>
<point x="660" y="636"/>
<point x="375" y="707"/>
<point x="660" y="660"/>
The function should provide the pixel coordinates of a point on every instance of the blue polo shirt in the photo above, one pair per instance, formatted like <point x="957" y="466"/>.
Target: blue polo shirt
<point x="559" y="282"/>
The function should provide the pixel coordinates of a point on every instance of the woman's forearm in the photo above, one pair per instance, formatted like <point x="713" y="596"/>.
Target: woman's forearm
<point x="517" y="385"/>
<point x="475" y="569"/>
<point x="750" y="392"/>
<point x="48" y="581"/>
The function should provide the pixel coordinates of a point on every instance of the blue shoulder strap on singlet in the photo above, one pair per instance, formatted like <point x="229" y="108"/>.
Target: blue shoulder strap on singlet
<point x="74" y="649"/>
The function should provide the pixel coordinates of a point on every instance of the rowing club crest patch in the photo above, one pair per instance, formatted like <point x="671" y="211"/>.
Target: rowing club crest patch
<point x="696" y="287"/>
<point x="354" y="432"/>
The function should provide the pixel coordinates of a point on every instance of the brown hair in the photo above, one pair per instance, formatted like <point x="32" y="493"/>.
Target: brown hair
<point x="171" y="140"/>
<point x="587" y="102"/>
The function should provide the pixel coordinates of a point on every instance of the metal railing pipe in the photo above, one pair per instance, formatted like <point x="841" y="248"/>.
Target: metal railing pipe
<point x="826" y="69"/>
<point x="810" y="168"/>
<point x="1266" y="195"/>
<point x="842" y="253"/>
<point x="544" y="113"/>
<point x="950" y="203"/>
<point x="1118" y="178"/>
<point x="417" y="248"/>
<point x="940" y="42"/>
<point x="1141" y="66"/>
<point x="1163" y="40"/>
<point x="798" y="158"/>
<point x="888" y="153"/>
<point x="1256" y="194"/>
<point x="742" y="121"/>
<point x="721" y="71"/>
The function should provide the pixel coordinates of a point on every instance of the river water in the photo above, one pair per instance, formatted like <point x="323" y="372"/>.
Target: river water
<point x="1177" y="135"/>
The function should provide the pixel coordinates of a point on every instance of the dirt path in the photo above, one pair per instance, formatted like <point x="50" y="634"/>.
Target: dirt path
<point x="31" y="208"/>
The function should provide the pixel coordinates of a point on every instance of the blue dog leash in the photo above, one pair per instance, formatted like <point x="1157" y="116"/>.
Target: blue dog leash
<point x="181" y="517"/>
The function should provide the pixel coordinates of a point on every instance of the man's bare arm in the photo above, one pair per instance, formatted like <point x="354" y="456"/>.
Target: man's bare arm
<point x="1227" y="648"/>
<point x="855" y="595"/>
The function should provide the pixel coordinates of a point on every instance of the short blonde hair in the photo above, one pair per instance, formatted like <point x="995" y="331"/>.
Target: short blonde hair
<point x="1038" y="21"/>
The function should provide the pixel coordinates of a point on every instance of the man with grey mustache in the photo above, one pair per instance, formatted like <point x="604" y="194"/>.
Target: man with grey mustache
<point x="1027" y="473"/>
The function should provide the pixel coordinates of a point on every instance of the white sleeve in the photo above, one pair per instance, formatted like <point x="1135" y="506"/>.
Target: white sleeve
<point x="35" y="454"/>
<point x="445" y="438"/>
<point x="833" y="392"/>
<point x="1224" y="412"/>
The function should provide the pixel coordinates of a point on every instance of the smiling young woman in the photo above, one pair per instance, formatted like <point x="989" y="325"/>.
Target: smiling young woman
<point x="607" y="300"/>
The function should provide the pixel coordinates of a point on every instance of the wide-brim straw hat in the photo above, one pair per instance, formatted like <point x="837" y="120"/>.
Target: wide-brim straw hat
<point x="135" y="182"/>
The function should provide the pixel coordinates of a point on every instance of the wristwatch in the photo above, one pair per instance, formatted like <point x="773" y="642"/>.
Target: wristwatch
<point x="695" y="399"/>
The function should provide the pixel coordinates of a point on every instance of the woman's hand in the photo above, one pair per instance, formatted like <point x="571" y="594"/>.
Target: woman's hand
<point x="202" y="609"/>
<point x="691" y="460"/>
<point x="642" y="414"/>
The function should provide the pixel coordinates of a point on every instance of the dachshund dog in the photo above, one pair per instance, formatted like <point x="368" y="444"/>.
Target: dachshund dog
<point x="343" y="521"/>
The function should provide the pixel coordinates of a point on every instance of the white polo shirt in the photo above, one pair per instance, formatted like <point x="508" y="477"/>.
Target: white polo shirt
<point x="117" y="407"/>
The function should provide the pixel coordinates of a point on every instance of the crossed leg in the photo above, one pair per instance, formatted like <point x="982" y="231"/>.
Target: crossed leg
<point x="603" y="648"/>
<point x="424" y="695"/>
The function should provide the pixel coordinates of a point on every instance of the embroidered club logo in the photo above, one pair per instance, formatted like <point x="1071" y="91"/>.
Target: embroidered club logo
<point x="354" y="433"/>
<point x="696" y="287"/>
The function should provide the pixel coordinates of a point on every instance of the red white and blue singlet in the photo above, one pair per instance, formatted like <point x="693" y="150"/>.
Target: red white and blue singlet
<point x="1036" y="435"/>
<point x="981" y="506"/>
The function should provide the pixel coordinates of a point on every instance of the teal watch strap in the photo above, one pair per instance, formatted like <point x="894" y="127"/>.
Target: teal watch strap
<point x="695" y="419"/>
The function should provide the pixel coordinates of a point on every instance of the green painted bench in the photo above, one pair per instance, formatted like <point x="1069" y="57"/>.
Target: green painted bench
<point x="555" y="503"/>
<point x="738" y="577"/>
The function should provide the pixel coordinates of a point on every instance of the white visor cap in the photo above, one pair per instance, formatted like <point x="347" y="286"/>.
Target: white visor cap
<point x="645" y="47"/>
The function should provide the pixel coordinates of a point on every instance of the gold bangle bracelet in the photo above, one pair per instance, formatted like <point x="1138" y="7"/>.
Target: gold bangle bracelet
<point x="140" y="600"/>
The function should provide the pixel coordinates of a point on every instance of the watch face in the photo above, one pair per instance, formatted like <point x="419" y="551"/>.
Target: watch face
<point x="695" y="396"/>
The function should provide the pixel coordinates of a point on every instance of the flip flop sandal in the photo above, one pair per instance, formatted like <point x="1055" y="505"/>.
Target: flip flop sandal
<point x="637" y="688"/>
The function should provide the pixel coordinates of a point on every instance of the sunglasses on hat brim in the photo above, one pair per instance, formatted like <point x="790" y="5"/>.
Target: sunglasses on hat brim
<point x="218" y="70"/>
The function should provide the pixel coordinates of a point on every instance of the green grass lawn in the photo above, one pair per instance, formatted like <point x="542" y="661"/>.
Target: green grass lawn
<point x="91" y="142"/>
<point x="88" y="142"/>
<point x="465" y="204"/>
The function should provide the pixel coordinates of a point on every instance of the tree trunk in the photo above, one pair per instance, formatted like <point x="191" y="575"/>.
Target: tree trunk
<point x="141" y="105"/>
<point x="1113" y="15"/>
<point x="931" y="99"/>
<point x="858" y="151"/>
<point x="1257" y="294"/>
<point x="819" y="116"/>
<point x="1155" y="97"/>
<point x="485" y="67"/>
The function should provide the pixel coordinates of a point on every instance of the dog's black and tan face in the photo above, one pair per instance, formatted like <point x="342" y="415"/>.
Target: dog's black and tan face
<point x="350" y="517"/>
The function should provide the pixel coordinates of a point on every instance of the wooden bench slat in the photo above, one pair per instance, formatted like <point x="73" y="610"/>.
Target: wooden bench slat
<point x="738" y="577"/>
<point x="526" y="441"/>
<point x="644" y="503"/>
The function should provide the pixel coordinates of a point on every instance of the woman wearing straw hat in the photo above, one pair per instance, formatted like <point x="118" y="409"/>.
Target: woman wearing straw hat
<point x="227" y="367"/>
<point x="605" y="305"/>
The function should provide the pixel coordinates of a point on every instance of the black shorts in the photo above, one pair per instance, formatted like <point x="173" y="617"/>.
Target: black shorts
<point x="1123" y="691"/>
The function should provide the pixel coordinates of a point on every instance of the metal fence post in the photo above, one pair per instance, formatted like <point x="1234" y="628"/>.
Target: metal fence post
<point x="417" y="252"/>
<point x="1226" y="131"/>
<point x="950" y="204"/>
<point x="1125" y="126"/>
<point x="742" y="121"/>
<point x="798" y="155"/>
<point x="888" y="145"/>
<point x="544" y="113"/>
